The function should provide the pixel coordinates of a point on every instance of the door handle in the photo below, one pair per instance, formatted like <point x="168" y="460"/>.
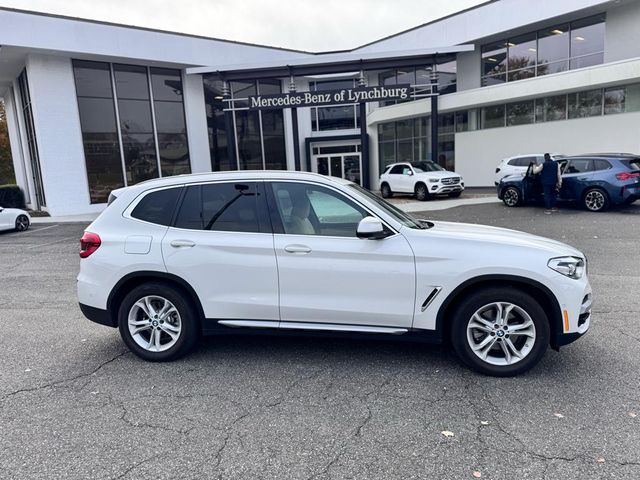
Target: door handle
<point x="297" y="249"/>
<point x="182" y="243"/>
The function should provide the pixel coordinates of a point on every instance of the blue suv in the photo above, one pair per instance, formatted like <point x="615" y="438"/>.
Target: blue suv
<point x="595" y="181"/>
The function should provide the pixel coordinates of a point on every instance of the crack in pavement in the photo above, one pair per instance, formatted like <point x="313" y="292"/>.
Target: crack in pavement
<point x="64" y="380"/>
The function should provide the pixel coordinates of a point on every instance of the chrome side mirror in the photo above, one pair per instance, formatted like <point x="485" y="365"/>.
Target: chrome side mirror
<point x="371" y="228"/>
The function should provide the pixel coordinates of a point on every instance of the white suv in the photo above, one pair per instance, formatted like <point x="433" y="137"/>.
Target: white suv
<point x="174" y="258"/>
<point x="423" y="179"/>
<point x="519" y="164"/>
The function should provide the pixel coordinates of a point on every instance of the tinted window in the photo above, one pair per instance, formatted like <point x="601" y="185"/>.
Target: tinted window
<point x="579" y="165"/>
<point x="601" y="165"/>
<point x="157" y="207"/>
<point x="313" y="210"/>
<point x="397" y="169"/>
<point x="228" y="207"/>
<point x="632" y="164"/>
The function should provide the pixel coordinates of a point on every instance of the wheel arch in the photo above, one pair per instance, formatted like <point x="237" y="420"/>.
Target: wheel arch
<point x="126" y="283"/>
<point x="542" y="294"/>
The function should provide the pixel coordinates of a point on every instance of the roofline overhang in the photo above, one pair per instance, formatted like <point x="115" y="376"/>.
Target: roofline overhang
<point x="331" y="63"/>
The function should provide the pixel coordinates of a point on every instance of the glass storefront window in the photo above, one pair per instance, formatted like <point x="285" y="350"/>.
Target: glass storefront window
<point x="553" y="49"/>
<point x="520" y="113"/>
<point x="338" y="117"/>
<point x="585" y="104"/>
<point x="614" y="100"/>
<point x="99" y="129"/>
<point x="550" y="50"/>
<point x="522" y="57"/>
<point x="447" y="74"/>
<point x="587" y="42"/>
<point x="492" y="117"/>
<point x="551" y="108"/>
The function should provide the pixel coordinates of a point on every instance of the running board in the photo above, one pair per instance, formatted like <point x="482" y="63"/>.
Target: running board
<point x="335" y="327"/>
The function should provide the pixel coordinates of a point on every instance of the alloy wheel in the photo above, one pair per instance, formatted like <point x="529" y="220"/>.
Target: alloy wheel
<point x="595" y="200"/>
<point x="22" y="223"/>
<point x="154" y="323"/>
<point x="501" y="333"/>
<point x="511" y="197"/>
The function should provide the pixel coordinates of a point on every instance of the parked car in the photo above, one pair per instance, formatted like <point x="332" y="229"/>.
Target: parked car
<point x="423" y="179"/>
<point x="14" y="219"/>
<point x="174" y="258"/>
<point x="519" y="164"/>
<point x="595" y="182"/>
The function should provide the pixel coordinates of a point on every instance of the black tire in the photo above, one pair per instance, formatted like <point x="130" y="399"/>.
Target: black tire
<point x="422" y="193"/>
<point x="22" y="223"/>
<point x="595" y="200"/>
<point x="475" y="301"/>
<point x="455" y="194"/>
<point x="511" y="197"/>
<point x="385" y="191"/>
<point x="190" y="324"/>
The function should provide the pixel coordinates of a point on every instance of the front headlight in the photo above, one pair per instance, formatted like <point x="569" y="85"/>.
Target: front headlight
<point x="572" y="267"/>
<point x="433" y="180"/>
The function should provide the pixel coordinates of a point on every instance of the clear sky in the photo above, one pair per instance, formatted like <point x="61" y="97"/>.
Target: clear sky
<point x="315" y="25"/>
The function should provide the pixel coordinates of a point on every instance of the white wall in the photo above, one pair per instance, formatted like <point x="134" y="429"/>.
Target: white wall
<point x="469" y="71"/>
<point x="622" y="35"/>
<point x="196" y="119"/>
<point x="478" y="153"/>
<point x="57" y="125"/>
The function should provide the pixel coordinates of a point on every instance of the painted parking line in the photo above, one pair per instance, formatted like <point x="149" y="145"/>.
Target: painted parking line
<point x="51" y="243"/>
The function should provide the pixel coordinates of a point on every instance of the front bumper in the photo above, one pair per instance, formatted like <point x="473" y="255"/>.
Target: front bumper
<point x="576" y="305"/>
<point x="438" y="188"/>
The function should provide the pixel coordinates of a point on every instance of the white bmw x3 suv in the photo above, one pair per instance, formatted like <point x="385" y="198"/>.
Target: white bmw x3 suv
<point x="174" y="258"/>
<point x="423" y="179"/>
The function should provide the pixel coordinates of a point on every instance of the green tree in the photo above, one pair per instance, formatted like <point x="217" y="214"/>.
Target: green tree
<point x="7" y="174"/>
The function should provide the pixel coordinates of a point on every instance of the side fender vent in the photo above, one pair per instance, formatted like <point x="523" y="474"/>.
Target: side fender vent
<point x="430" y="297"/>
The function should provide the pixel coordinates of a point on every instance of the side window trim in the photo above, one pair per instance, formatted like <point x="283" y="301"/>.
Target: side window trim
<point x="276" y="219"/>
<point x="262" y="208"/>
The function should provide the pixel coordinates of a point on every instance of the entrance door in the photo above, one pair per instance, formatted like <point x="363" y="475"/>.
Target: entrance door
<point x="341" y="165"/>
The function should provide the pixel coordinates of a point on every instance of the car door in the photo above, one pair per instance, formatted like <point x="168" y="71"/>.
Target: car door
<point x="329" y="275"/>
<point x="577" y="173"/>
<point x="222" y="245"/>
<point x="397" y="179"/>
<point x="4" y="219"/>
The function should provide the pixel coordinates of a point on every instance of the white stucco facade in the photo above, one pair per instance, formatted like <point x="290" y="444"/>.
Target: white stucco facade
<point x="45" y="47"/>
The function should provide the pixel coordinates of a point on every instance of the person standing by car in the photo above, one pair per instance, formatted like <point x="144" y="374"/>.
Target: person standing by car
<point x="551" y="179"/>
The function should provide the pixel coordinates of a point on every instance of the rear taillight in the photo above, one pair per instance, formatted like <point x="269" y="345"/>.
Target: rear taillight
<point x="89" y="243"/>
<point x="627" y="175"/>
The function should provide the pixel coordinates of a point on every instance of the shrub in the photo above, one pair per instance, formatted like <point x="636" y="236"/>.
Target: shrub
<point x="11" y="196"/>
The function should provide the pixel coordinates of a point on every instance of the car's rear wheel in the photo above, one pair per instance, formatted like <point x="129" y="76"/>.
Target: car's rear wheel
<point x="422" y="193"/>
<point x="385" y="190"/>
<point x="511" y="197"/>
<point x="158" y="323"/>
<point x="595" y="200"/>
<point x="22" y="223"/>
<point x="500" y="331"/>
<point x="455" y="194"/>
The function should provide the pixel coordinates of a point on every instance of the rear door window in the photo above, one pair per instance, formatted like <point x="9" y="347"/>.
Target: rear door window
<point x="224" y="207"/>
<point x="157" y="207"/>
<point x="579" y="165"/>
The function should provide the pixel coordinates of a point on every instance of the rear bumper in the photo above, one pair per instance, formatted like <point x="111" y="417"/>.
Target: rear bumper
<point x="97" y="315"/>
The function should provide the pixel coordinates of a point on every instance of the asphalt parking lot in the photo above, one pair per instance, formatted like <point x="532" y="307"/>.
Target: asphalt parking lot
<point x="75" y="404"/>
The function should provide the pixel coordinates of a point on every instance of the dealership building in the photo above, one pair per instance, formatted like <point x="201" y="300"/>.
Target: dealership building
<point x="95" y="106"/>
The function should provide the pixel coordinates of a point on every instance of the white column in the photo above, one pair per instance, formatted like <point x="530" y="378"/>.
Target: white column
<point x="57" y="126"/>
<point x="196" y="118"/>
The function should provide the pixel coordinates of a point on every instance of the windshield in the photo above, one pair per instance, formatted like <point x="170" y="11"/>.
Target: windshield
<point x="427" y="166"/>
<point x="402" y="217"/>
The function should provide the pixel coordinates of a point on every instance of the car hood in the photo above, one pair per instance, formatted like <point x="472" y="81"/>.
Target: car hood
<point x="438" y="174"/>
<point x="504" y="236"/>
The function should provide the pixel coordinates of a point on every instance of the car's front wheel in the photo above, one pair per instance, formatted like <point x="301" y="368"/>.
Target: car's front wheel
<point x="422" y="193"/>
<point x="595" y="200"/>
<point x="22" y="223"/>
<point x="157" y="322"/>
<point x="511" y="197"/>
<point x="385" y="190"/>
<point x="500" y="331"/>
